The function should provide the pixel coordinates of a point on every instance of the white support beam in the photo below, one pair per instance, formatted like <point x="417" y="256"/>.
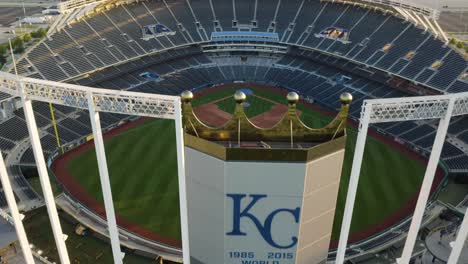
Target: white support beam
<point x="460" y="241"/>
<point x="427" y="184"/>
<point x="416" y="108"/>
<point x="106" y="100"/>
<point x="183" y="202"/>
<point x="353" y="184"/>
<point x="70" y="5"/>
<point x="95" y="100"/>
<point x="401" y="13"/>
<point x="436" y="33"/>
<point x="420" y="21"/>
<point x="415" y="21"/>
<point x="44" y="175"/>
<point x="105" y="182"/>
<point x="396" y="110"/>
<point x="442" y="32"/>
<point x="15" y="214"/>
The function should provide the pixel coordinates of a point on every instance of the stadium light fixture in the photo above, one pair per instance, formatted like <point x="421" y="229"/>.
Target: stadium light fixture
<point x="441" y="107"/>
<point x="95" y="101"/>
<point x="105" y="182"/>
<point x="44" y="175"/>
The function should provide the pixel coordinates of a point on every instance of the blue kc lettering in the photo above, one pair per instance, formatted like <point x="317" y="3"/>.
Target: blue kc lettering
<point x="263" y="228"/>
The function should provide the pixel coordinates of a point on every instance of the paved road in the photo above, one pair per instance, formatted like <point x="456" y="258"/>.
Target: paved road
<point x="441" y="247"/>
<point x="454" y="21"/>
<point x="27" y="3"/>
<point x="9" y="15"/>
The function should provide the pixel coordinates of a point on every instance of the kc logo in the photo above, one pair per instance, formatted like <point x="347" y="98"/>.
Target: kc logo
<point x="265" y="228"/>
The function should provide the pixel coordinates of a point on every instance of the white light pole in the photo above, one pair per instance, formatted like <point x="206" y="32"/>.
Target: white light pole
<point x="427" y="184"/>
<point x="460" y="242"/>
<point x="182" y="182"/>
<point x="15" y="214"/>
<point x="44" y="176"/>
<point x="105" y="182"/>
<point x="353" y="184"/>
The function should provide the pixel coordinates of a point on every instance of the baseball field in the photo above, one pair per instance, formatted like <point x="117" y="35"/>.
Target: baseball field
<point x="142" y="165"/>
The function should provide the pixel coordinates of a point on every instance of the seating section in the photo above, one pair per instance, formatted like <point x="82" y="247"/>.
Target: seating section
<point x="381" y="40"/>
<point x="6" y="145"/>
<point x="13" y="129"/>
<point x="110" y="45"/>
<point x="3" y="201"/>
<point x="378" y="39"/>
<point x="458" y="164"/>
<point x="311" y="79"/>
<point x="72" y="124"/>
<point x="21" y="182"/>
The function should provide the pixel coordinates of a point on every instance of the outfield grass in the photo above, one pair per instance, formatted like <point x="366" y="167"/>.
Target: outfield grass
<point x="143" y="172"/>
<point x="144" y="180"/>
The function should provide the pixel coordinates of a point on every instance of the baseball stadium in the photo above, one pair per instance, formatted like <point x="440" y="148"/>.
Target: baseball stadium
<point x="259" y="62"/>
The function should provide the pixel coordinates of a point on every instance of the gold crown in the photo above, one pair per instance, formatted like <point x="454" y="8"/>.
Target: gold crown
<point x="289" y="128"/>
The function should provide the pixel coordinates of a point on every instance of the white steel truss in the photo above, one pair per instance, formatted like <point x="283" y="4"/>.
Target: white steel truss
<point x="441" y="107"/>
<point x="95" y="101"/>
<point x="122" y="102"/>
<point x="70" y="5"/>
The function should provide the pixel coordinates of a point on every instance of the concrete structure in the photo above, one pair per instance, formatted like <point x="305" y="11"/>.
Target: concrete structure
<point x="262" y="195"/>
<point x="439" y="245"/>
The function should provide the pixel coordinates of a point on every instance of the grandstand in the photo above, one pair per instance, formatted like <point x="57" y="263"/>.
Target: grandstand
<point x="319" y="49"/>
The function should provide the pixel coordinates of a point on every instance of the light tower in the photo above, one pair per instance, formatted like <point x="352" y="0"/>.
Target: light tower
<point x="262" y="195"/>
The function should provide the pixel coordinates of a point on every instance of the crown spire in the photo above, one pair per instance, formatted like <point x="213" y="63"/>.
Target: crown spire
<point x="289" y="129"/>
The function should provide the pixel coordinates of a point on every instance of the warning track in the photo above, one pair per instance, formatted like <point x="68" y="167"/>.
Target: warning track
<point x="211" y="114"/>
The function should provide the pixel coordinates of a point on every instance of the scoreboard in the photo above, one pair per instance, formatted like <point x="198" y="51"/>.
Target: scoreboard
<point x="260" y="212"/>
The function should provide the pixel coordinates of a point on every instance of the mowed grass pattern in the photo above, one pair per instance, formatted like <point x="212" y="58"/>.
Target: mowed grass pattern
<point x="144" y="179"/>
<point x="143" y="172"/>
<point x="256" y="106"/>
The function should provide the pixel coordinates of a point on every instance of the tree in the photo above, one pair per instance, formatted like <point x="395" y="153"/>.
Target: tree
<point x="27" y="37"/>
<point x="34" y="34"/>
<point x="18" y="45"/>
<point x="453" y="41"/>
<point x="2" y="60"/>
<point x="40" y="33"/>
<point x="460" y="45"/>
<point x="3" y="49"/>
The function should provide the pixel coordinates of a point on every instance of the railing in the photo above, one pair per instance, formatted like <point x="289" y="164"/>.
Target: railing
<point x="408" y="5"/>
<point x="69" y="5"/>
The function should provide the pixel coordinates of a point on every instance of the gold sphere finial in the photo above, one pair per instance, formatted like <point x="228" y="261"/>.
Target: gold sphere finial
<point x="186" y="96"/>
<point x="240" y="97"/>
<point x="293" y="98"/>
<point x="346" y="98"/>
